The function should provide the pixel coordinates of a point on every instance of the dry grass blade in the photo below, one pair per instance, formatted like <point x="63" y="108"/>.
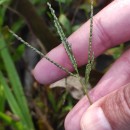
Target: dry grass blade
<point x="63" y="38"/>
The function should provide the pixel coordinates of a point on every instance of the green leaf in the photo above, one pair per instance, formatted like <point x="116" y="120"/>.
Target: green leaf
<point x="2" y="16"/>
<point x="9" y="121"/>
<point x="15" y="82"/>
<point x="65" y="23"/>
<point x="3" y="2"/>
<point x="12" y="101"/>
<point x="19" y="52"/>
<point x="2" y="98"/>
<point x="52" y="100"/>
<point x="61" y="1"/>
<point x="64" y="1"/>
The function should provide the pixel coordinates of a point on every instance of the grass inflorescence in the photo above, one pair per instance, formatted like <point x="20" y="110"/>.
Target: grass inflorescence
<point x="90" y="52"/>
<point x="69" y="51"/>
<point x="63" y="38"/>
<point x="40" y="53"/>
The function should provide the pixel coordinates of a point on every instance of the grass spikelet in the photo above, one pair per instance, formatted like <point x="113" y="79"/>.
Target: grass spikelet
<point x="63" y="38"/>
<point x="40" y="53"/>
<point x="69" y="51"/>
<point x="90" y="54"/>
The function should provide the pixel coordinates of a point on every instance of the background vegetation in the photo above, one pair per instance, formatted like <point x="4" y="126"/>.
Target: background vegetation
<point x="25" y="104"/>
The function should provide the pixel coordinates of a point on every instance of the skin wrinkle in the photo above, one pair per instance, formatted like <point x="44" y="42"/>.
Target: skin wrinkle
<point x="102" y="34"/>
<point x="119" y="22"/>
<point x="126" y="60"/>
<point x="107" y="106"/>
<point x="116" y="109"/>
<point x="127" y="96"/>
<point x="121" y="110"/>
<point x="126" y="92"/>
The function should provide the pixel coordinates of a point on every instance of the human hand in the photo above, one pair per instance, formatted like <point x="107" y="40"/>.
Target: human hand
<point x="112" y="112"/>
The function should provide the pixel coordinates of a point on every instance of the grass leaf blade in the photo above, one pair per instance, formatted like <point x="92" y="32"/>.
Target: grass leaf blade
<point x="15" y="81"/>
<point x="11" y="100"/>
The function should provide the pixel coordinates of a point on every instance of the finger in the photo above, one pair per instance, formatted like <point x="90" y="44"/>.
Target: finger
<point x="110" y="113"/>
<point x="117" y="76"/>
<point x="111" y="27"/>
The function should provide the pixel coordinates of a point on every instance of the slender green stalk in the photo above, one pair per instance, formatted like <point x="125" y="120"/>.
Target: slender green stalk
<point x="85" y="90"/>
<point x="90" y="55"/>
<point x="40" y="53"/>
<point x="68" y="48"/>
<point x="69" y="51"/>
<point x="63" y="38"/>
<point x="90" y="34"/>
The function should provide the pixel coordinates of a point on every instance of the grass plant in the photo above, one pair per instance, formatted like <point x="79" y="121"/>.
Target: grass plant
<point x="11" y="89"/>
<point x="69" y="51"/>
<point x="15" y="98"/>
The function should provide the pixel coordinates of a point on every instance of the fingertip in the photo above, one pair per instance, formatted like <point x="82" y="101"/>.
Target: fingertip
<point x="42" y="72"/>
<point x="37" y="75"/>
<point x="94" y="119"/>
<point x="46" y="72"/>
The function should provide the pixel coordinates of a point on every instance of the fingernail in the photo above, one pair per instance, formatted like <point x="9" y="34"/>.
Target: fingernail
<point x="94" y="119"/>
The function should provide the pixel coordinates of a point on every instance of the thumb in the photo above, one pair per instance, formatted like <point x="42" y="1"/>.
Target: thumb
<point x="112" y="112"/>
